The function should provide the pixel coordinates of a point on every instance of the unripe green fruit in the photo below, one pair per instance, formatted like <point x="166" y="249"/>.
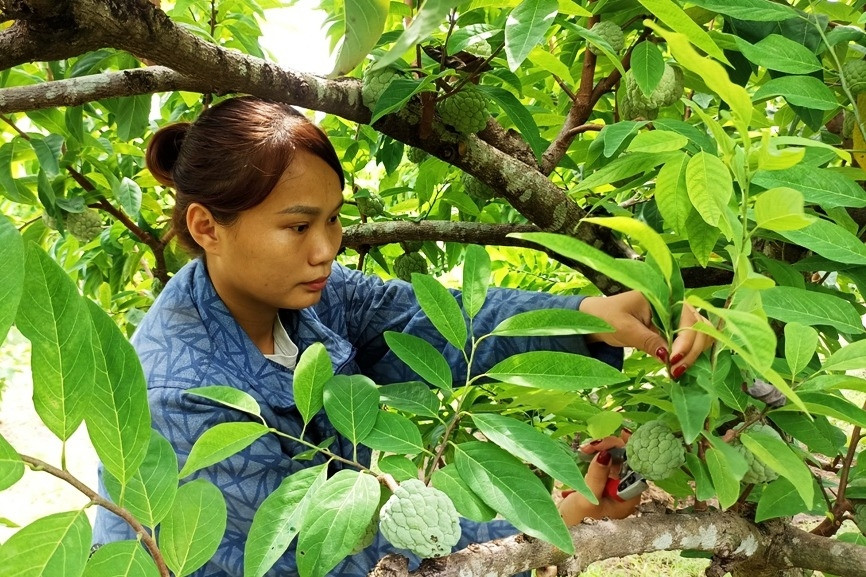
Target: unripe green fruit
<point x="610" y="32"/>
<point x="635" y="104"/>
<point x="407" y="263"/>
<point x="758" y="472"/>
<point x="654" y="451"/>
<point x="466" y="110"/>
<point x="85" y="226"/>
<point x="374" y="84"/>
<point x="480" y="48"/>
<point x="475" y="188"/>
<point x="854" y="72"/>
<point x="412" y="245"/>
<point x="417" y="155"/>
<point x="370" y="205"/>
<point x="421" y="519"/>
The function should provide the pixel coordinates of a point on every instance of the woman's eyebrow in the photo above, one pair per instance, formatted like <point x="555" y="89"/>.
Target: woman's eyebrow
<point x="308" y="210"/>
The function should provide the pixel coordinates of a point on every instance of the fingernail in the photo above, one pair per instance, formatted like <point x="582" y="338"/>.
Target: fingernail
<point x="596" y="442"/>
<point x="626" y="430"/>
<point x="676" y="358"/>
<point x="603" y="458"/>
<point x="662" y="354"/>
<point x="678" y="372"/>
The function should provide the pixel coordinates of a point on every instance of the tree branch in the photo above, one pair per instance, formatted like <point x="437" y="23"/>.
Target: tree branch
<point x="379" y="233"/>
<point x="96" y="499"/>
<point x="729" y="536"/>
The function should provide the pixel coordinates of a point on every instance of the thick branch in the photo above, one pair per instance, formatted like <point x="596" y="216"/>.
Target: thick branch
<point x="378" y="233"/>
<point x="76" y="91"/>
<point x="96" y="499"/>
<point x="21" y="43"/>
<point x="724" y="534"/>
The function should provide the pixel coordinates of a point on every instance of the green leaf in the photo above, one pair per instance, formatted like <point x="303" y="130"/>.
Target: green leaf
<point x="191" y="533"/>
<point x="814" y="431"/>
<point x="830" y="241"/>
<point x="674" y="17"/>
<point x="441" y="308"/>
<point x="150" y="493"/>
<point x="833" y="406"/>
<point x="549" y="323"/>
<point x="131" y="114"/>
<point x="12" y="273"/>
<point x="779" y="53"/>
<point x="647" y="65"/>
<point x="731" y="457"/>
<point x="220" y="442"/>
<point x="726" y="484"/>
<point x="781" y="209"/>
<point x="230" y="397"/>
<point x="818" y="186"/>
<point x="413" y="397"/>
<point x="508" y="487"/>
<point x="278" y="519"/>
<point x="430" y="17"/>
<point x="118" y="421"/>
<point x="625" y="166"/>
<point x="519" y="115"/>
<point x="800" y="344"/>
<point x="394" y="433"/>
<point x="702" y="237"/>
<point x="312" y="372"/>
<point x="615" y="135"/>
<point x="638" y="231"/>
<point x="672" y="194"/>
<point x="555" y="370"/>
<point x="335" y="521"/>
<point x="8" y="185"/>
<point x="806" y="91"/>
<point x="755" y="10"/>
<point x="465" y="500"/>
<point x="48" y="158"/>
<point x="57" y="544"/>
<point x="692" y="406"/>
<point x="352" y="403"/>
<point x="603" y="424"/>
<point x="365" y="21"/>
<point x="11" y="465"/>
<point x="53" y="316"/>
<point x="527" y="443"/>
<point x="709" y="185"/>
<point x="121" y="559"/>
<point x="128" y="194"/>
<point x="476" y="279"/>
<point x="399" y="467"/>
<point x="549" y="62"/>
<point x="851" y="357"/>
<point x="796" y="305"/>
<point x="422" y="357"/>
<point x="780" y="499"/>
<point x="703" y="482"/>
<point x="656" y="141"/>
<point x="526" y="27"/>
<point x="779" y="457"/>
<point x="398" y="93"/>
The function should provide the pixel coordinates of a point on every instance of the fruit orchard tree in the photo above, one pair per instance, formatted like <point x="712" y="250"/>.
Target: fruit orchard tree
<point x="707" y="152"/>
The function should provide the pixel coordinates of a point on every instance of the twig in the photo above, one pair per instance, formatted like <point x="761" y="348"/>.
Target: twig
<point x="97" y="499"/>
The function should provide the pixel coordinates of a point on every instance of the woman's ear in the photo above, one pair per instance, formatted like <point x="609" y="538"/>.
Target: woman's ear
<point x="203" y="227"/>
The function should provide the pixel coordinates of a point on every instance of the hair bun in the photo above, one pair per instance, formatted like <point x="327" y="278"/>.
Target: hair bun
<point x="163" y="151"/>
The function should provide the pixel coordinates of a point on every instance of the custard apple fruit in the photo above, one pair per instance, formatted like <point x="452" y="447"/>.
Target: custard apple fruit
<point x="479" y="47"/>
<point x="374" y="84"/>
<point x="475" y="188"/>
<point x="610" y="32"/>
<point x="421" y="519"/>
<point x="417" y="155"/>
<point x="654" y="451"/>
<point x="85" y="226"/>
<point x="412" y="245"/>
<point x="635" y="104"/>
<point x="758" y="472"/>
<point x="466" y="110"/>
<point x="407" y="263"/>
<point x="854" y="72"/>
<point x="368" y="536"/>
<point x="848" y="121"/>
<point x="371" y="205"/>
<point x="860" y="517"/>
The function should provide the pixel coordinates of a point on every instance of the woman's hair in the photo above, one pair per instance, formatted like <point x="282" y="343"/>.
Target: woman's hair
<point x="232" y="157"/>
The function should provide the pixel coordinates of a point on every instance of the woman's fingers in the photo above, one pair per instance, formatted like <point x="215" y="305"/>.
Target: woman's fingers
<point x="689" y="344"/>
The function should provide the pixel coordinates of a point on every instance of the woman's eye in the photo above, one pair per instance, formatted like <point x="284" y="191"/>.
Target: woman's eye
<point x="299" y="227"/>
<point x="334" y="219"/>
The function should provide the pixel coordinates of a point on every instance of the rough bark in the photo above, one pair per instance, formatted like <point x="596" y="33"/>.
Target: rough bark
<point x="736" y="541"/>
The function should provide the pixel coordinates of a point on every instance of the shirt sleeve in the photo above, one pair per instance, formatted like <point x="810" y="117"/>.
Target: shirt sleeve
<point x="374" y="306"/>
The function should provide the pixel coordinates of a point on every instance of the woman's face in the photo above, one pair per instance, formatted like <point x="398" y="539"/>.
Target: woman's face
<point x="278" y="254"/>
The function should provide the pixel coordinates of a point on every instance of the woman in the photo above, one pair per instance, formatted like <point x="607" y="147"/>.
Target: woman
<point x="259" y="191"/>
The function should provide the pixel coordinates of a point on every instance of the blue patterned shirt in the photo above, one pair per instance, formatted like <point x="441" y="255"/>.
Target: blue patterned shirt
<point x="189" y="339"/>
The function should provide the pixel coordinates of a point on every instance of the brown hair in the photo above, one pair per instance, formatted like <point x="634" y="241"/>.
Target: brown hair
<point x="231" y="158"/>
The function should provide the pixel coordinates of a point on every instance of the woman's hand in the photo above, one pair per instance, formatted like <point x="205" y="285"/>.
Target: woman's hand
<point x="630" y="315"/>
<point x="574" y="508"/>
